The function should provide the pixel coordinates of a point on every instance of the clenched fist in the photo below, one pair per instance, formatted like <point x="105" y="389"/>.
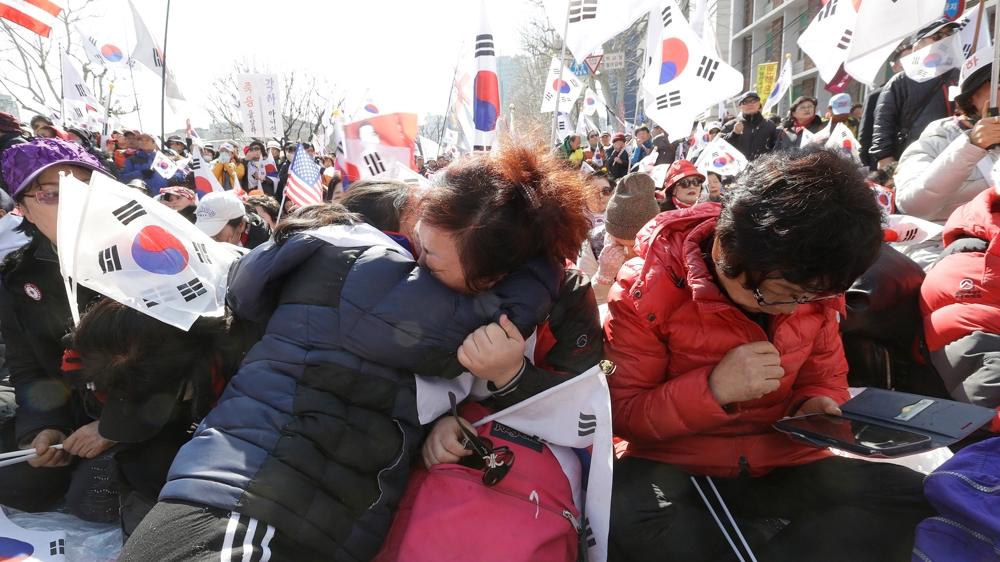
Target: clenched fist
<point x="746" y="373"/>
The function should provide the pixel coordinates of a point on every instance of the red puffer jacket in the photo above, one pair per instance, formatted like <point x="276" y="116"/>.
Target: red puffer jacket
<point x="961" y="294"/>
<point x="669" y="325"/>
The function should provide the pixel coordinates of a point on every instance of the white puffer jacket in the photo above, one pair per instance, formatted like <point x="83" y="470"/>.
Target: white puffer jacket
<point x="937" y="174"/>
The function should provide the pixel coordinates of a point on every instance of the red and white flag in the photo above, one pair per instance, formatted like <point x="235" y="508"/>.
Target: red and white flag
<point x="36" y="15"/>
<point x="304" y="185"/>
<point x="204" y="180"/>
<point x="374" y="144"/>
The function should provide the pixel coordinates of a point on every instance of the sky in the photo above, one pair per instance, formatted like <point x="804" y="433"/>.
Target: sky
<point x="403" y="52"/>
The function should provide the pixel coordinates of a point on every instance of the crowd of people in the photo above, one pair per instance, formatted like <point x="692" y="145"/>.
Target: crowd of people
<point x="289" y="428"/>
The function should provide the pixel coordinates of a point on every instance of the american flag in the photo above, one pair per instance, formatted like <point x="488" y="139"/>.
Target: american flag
<point x="304" y="187"/>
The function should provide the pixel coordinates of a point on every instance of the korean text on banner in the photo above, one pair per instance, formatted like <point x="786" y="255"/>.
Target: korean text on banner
<point x="767" y="73"/>
<point x="260" y="107"/>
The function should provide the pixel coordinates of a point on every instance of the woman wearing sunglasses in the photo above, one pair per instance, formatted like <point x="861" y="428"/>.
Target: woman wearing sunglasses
<point x="682" y="188"/>
<point x="34" y="317"/>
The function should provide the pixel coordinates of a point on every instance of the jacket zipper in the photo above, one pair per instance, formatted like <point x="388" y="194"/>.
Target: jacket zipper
<point x="967" y="531"/>
<point x="972" y="483"/>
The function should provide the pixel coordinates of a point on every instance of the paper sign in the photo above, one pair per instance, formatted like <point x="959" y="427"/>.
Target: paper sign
<point x="614" y="61"/>
<point x="260" y="105"/>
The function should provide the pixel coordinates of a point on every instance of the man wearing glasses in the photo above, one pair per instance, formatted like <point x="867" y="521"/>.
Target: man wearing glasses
<point x="905" y="106"/>
<point x="750" y="133"/>
<point x="725" y="322"/>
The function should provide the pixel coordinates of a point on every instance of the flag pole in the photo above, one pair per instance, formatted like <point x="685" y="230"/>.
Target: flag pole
<point x="979" y="24"/>
<point x="451" y="92"/>
<point x="107" y="111"/>
<point x="995" y="74"/>
<point x="62" y="85"/>
<point x="130" y="62"/>
<point x="562" y="66"/>
<point x="355" y="114"/>
<point x="284" y="192"/>
<point x="163" y="77"/>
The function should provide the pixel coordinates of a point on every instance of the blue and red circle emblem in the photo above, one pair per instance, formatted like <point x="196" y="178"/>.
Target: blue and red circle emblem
<point x="674" y="58"/>
<point x="157" y="251"/>
<point x="13" y="550"/>
<point x="560" y="86"/>
<point x="932" y="60"/>
<point x="112" y="53"/>
<point x="370" y="108"/>
<point x="486" y="102"/>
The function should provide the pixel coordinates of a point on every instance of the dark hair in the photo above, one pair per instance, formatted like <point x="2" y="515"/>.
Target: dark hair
<point x="306" y="146"/>
<point x="39" y="118"/>
<point x="856" y="106"/>
<point x="805" y="215"/>
<point x="125" y="349"/>
<point x="642" y="128"/>
<point x="883" y="176"/>
<point x="508" y="206"/>
<point x="310" y="217"/>
<point x="716" y="174"/>
<point x="598" y="175"/>
<point x="380" y="202"/>
<point x="270" y="205"/>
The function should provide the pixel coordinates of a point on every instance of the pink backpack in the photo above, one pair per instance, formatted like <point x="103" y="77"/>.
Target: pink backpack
<point x="447" y="513"/>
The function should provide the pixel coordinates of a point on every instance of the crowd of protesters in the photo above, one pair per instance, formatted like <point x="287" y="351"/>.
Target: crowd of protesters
<point x="288" y="428"/>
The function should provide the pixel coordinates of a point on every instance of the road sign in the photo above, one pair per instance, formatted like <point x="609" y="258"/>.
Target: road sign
<point x="953" y="9"/>
<point x="614" y="61"/>
<point x="593" y="62"/>
<point x="579" y="69"/>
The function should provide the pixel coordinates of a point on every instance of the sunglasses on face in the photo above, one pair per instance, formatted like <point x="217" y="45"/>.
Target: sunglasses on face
<point x="494" y="462"/>
<point x="760" y="299"/>
<point x="689" y="182"/>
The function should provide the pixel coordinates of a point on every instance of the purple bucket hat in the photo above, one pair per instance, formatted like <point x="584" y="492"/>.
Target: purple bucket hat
<point x="22" y="163"/>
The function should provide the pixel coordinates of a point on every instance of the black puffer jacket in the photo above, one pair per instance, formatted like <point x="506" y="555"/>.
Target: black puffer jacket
<point x="759" y="135"/>
<point x="316" y="433"/>
<point x="788" y="138"/>
<point x="902" y="97"/>
<point x="34" y="317"/>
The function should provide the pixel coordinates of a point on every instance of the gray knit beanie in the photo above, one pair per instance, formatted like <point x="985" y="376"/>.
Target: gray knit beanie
<point x="632" y="206"/>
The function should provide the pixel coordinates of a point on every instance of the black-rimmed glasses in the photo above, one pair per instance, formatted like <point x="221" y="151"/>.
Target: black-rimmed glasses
<point x="494" y="462"/>
<point x="762" y="302"/>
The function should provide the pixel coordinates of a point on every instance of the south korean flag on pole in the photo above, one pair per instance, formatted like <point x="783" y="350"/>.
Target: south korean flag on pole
<point x="138" y="252"/>
<point x="575" y="415"/>
<point x="722" y="158"/>
<point x="934" y="59"/>
<point x="567" y="90"/>
<point x="683" y="77"/>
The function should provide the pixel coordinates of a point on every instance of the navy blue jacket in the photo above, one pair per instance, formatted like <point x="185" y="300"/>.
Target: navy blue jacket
<point x="316" y="432"/>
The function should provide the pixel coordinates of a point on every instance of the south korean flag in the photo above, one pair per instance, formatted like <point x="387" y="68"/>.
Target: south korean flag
<point x="934" y="59"/>
<point x="567" y="88"/>
<point x="683" y="77"/>
<point x="138" y="252"/>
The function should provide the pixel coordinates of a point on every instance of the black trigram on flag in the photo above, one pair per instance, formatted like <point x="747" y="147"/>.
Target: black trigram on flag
<point x="374" y="163"/>
<point x="967" y="50"/>
<point x="57" y="547"/>
<point x="580" y="10"/>
<point x="78" y="111"/>
<point x="484" y="45"/>
<point x="589" y="533"/>
<point x="194" y="163"/>
<point x="708" y="68"/>
<point x="202" y="252"/>
<point x="192" y="289"/>
<point x="562" y="124"/>
<point x="670" y="99"/>
<point x="81" y="89"/>
<point x="129" y="212"/>
<point x="108" y="258"/>
<point x="828" y="10"/>
<point x="667" y="15"/>
<point x="157" y="60"/>
<point x="845" y="40"/>
<point x="549" y="96"/>
<point x="587" y="424"/>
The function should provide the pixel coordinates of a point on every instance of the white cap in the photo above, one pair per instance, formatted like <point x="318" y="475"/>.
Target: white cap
<point x="227" y="146"/>
<point x="216" y="209"/>
<point x="840" y="104"/>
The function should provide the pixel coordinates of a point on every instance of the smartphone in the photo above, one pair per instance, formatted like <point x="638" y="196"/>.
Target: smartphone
<point x="856" y="436"/>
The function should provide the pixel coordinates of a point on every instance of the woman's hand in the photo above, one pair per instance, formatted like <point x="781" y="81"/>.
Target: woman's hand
<point x="444" y="444"/>
<point x="86" y="442"/>
<point x="48" y="457"/>
<point x="612" y="257"/>
<point x="494" y="352"/>
<point x="819" y="405"/>
<point x="986" y="133"/>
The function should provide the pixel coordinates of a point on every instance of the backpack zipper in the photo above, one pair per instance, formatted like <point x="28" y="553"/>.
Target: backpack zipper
<point x="566" y="514"/>
<point x="967" y="531"/>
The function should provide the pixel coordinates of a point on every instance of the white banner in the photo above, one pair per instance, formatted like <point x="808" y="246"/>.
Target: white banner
<point x="260" y="105"/>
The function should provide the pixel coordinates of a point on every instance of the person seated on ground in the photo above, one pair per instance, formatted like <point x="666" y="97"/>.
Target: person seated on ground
<point x="227" y="168"/>
<point x="801" y="116"/>
<point x="225" y="218"/>
<point x="682" y="187"/>
<point x="951" y="162"/>
<point x="960" y="305"/>
<point x="180" y="199"/>
<point x="597" y="206"/>
<point x="714" y="182"/>
<point x="140" y="166"/>
<point x="266" y="207"/>
<point x="726" y="322"/>
<point x="155" y="383"/>
<point x="311" y="442"/>
<point x="52" y="408"/>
